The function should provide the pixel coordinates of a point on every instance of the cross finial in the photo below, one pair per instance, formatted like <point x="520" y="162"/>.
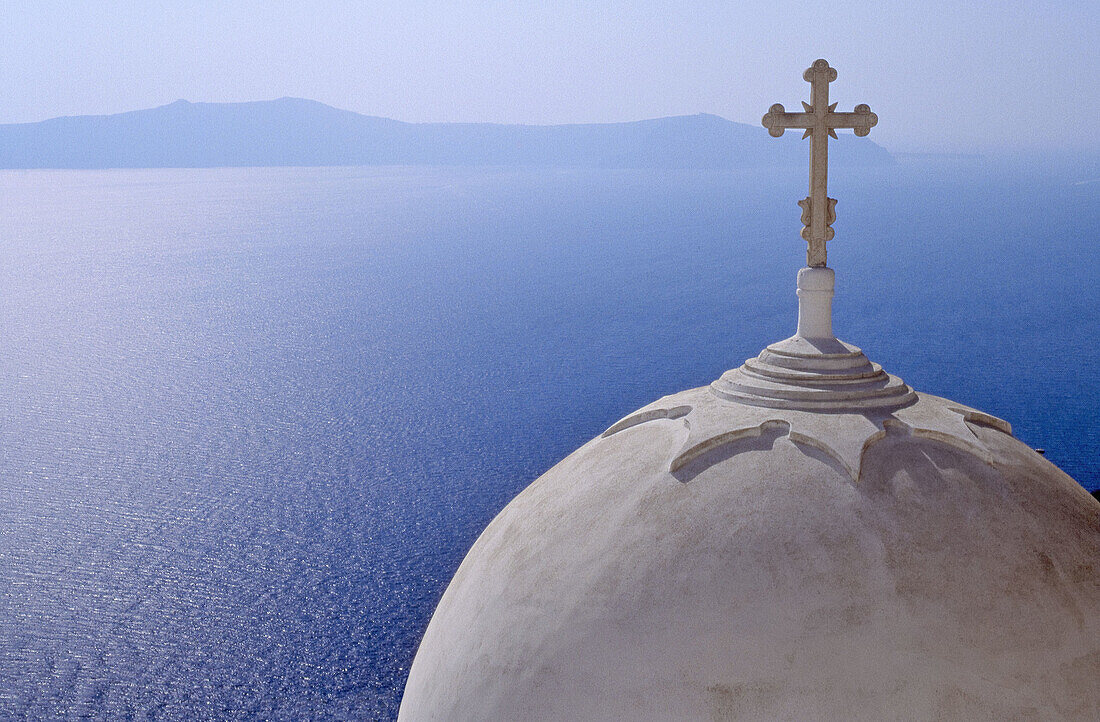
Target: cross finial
<point x="819" y="121"/>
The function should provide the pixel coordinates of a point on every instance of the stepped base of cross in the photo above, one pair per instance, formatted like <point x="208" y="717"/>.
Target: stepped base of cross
<point x="813" y="370"/>
<point x="797" y="374"/>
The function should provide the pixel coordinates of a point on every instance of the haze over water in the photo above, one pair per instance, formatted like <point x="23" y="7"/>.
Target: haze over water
<point x="252" y="419"/>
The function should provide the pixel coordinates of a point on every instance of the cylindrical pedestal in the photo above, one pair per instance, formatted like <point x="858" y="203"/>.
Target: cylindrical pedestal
<point x="815" y="302"/>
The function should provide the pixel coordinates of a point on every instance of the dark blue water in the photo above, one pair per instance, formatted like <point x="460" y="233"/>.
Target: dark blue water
<point x="251" y="420"/>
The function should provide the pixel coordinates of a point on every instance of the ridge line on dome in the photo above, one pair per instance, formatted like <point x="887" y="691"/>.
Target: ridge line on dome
<point x="981" y="418"/>
<point x="687" y="455"/>
<point x="641" y="417"/>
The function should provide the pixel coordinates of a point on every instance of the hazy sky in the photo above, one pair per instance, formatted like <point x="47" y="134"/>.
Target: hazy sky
<point x="941" y="75"/>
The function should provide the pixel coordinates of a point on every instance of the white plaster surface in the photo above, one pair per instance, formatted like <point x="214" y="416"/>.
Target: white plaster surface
<point x="954" y="576"/>
<point x="815" y="307"/>
<point x="806" y="538"/>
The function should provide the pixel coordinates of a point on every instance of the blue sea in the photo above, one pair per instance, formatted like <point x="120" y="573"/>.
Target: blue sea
<point x="252" y="419"/>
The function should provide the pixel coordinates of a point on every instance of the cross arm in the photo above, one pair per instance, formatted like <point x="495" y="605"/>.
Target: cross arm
<point x="861" y="120"/>
<point x="778" y="119"/>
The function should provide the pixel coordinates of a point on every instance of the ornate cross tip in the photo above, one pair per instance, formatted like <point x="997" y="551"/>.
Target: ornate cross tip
<point x="820" y="121"/>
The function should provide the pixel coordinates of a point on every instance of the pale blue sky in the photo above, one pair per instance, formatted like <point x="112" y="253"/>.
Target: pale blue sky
<point x="984" y="76"/>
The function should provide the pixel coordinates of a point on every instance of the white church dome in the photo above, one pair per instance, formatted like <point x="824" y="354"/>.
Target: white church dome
<point x="719" y="556"/>
<point x="805" y="538"/>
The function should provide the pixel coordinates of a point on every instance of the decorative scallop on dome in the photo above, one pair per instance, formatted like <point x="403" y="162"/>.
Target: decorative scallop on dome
<point x="805" y="538"/>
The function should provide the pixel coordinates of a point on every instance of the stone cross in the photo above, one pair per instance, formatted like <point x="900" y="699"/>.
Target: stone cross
<point x="819" y="121"/>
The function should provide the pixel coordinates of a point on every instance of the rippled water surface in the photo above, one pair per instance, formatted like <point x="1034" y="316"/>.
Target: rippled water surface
<point x="251" y="419"/>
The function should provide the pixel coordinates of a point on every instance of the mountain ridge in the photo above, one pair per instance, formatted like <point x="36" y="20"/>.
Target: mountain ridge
<point x="300" y="132"/>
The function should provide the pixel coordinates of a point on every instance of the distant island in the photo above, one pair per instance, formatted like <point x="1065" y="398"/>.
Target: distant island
<point x="297" y="132"/>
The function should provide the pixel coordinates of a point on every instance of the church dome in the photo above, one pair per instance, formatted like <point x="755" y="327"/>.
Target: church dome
<point x="806" y="537"/>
